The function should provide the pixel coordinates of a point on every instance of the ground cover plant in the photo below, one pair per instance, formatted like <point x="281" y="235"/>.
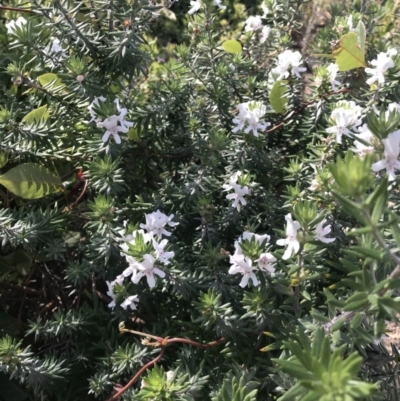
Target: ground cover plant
<point x="209" y="214"/>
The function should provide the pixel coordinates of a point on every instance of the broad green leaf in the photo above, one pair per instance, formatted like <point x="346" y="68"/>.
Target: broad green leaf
<point x="232" y="46"/>
<point x="20" y="261"/>
<point x="37" y="115"/>
<point x="31" y="181"/>
<point x="3" y="159"/>
<point x="348" y="53"/>
<point x="50" y="78"/>
<point x="134" y="134"/>
<point x="277" y="97"/>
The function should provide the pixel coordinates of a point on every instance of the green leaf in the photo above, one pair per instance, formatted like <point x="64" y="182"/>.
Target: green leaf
<point x="348" y="53"/>
<point x="36" y="116"/>
<point x="51" y="80"/>
<point x="3" y="159"/>
<point x="277" y="97"/>
<point x="31" y="181"/>
<point x="357" y="320"/>
<point x="232" y="46"/>
<point x="20" y="261"/>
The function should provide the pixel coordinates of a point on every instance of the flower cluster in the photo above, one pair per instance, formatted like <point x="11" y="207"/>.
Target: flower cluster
<point x="291" y="240"/>
<point x="346" y="119"/>
<point x="241" y="264"/>
<point x="250" y="118"/>
<point x="152" y="253"/>
<point x="288" y="62"/>
<point x="382" y="63"/>
<point x="113" y="124"/>
<point x="240" y="191"/>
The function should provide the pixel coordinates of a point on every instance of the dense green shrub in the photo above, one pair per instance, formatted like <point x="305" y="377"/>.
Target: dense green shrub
<point x="203" y="215"/>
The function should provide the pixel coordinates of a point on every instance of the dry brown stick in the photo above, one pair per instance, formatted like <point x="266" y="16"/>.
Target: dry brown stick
<point x="137" y="375"/>
<point x="159" y="342"/>
<point x="22" y="10"/>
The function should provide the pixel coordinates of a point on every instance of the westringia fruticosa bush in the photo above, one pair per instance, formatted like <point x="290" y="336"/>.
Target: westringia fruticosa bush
<point x="211" y="220"/>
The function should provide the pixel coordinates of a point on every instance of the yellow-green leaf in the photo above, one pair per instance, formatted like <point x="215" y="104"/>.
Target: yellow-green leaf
<point x="50" y="79"/>
<point x="31" y="181"/>
<point x="277" y="96"/>
<point x="134" y="134"/>
<point x="232" y="46"/>
<point x="37" y="115"/>
<point x="348" y="54"/>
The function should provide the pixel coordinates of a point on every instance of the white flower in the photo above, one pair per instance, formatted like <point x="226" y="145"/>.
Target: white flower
<point x="147" y="269"/>
<point x="253" y="23"/>
<point x="250" y="114"/>
<point x="265" y="262"/>
<point x="240" y="191"/>
<point x="155" y="223"/>
<point x="243" y="266"/>
<point x="122" y="113"/>
<point x="130" y="301"/>
<point x="110" y="291"/>
<point x="295" y="62"/>
<point x="161" y="255"/>
<point x="365" y="147"/>
<point x="265" y="33"/>
<point x="382" y="63"/>
<point x="218" y="4"/>
<point x="196" y="5"/>
<point x="392" y="150"/>
<point x="13" y="24"/>
<point x="131" y="238"/>
<point x="291" y="241"/>
<point x="241" y="119"/>
<point x="322" y="232"/>
<point x="254" y="120"/>
<point x="333" y="70"/>
<point x="115" y="124"/>
<point x="238" y="196"/>
<point x="345" y="120"/>
<point x="112" y="128"/>
<point x="286" y="60"/>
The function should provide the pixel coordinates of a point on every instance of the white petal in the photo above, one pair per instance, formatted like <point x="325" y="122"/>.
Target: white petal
<point x="151" y="281"/>
<point x="244" y="281"/>
<point x="159" y="272"/>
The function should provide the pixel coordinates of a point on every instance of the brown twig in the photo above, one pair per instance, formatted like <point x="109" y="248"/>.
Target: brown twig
<point x="21" y="10"/>
<point x="159" y="342"/>
<point x="137" y="375"/>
